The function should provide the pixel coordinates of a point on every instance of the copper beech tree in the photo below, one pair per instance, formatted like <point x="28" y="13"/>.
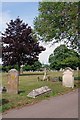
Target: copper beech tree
<point x="18" y="44"/>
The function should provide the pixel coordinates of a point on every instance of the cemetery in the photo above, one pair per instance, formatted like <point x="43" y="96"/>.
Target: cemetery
<point x="28" y="90"/>
<point x="27" y="78"/>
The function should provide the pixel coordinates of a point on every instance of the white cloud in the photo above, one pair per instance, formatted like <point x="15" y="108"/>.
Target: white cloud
<point x="44" y="56"/>
<point x="0" y="61"/>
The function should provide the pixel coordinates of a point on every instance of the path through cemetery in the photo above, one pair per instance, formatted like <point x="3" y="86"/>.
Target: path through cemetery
<point x="63" y="106"/>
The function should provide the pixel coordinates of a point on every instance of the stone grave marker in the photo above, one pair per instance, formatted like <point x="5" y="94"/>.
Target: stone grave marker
<point x="68" y="78"/>
<point x="13" y="81"/>
<point x="39" y="91"/>
<point x="45" y="74"/>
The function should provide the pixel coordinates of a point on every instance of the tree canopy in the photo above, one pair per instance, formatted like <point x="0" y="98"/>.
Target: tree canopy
<point x="19" y="46"/>
<point x="64" y="57"/>
<point x="35" y="66"/>
<point x="59" y="21"/>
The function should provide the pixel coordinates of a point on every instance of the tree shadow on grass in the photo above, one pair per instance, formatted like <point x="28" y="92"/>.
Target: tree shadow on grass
<point x="3" y="101"/>
<point x="21" y="91"/>
<point x="31" y="74"/>
<point x="74" y="85"/>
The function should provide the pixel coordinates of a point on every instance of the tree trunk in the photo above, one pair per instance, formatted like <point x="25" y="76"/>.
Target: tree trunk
<point x="19" y="68"/>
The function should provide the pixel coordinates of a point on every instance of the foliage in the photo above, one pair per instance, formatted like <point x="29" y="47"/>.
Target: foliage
<point x="26" y="68"/>
<point x="0" y="67"/>
<point x="36" y="66"/>
<point x="59" y="20"/>
<point x="46" y="66"/>
<point x="7" y="68"/>
<point x="64" y="57"/>
<point x="19" y="46"/>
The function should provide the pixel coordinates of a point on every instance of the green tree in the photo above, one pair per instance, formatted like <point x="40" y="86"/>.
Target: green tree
<point x="18" y="44"/>
<point x="46" y="66"/>
<point x="72" y="61"/>
<point x="0" y="68"/>
<point x="64" y="57"/>
<point x="35" y="66"/>
<point x="27" y="67"/>
<point x="57" y="21"/>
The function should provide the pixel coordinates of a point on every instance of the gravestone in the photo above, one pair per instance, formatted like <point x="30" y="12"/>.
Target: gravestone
<point x="68" y="79"/>
<point x="39" y="91"/>
<point x="13" y="81"/>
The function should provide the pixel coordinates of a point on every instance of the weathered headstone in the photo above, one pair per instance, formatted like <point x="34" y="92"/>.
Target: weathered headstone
<point x="39" y="91"/>
<point x="13" y="81"/>
<point x="68" y="78"/>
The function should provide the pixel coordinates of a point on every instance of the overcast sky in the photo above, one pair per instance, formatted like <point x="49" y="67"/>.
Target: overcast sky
<point x="27" y="11"/>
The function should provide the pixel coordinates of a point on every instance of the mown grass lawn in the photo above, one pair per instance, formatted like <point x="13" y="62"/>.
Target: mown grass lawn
<point x="28" y="82"/>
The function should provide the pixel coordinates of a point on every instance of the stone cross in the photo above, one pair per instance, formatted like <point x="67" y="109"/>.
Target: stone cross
<point x="77" y="68"/>
<point x="13" y="81"/>
<point x="68" y="79"/>
<point x="45" y="75"/>
<point x="21" y="69"/>
<point x="61" y="69"/>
